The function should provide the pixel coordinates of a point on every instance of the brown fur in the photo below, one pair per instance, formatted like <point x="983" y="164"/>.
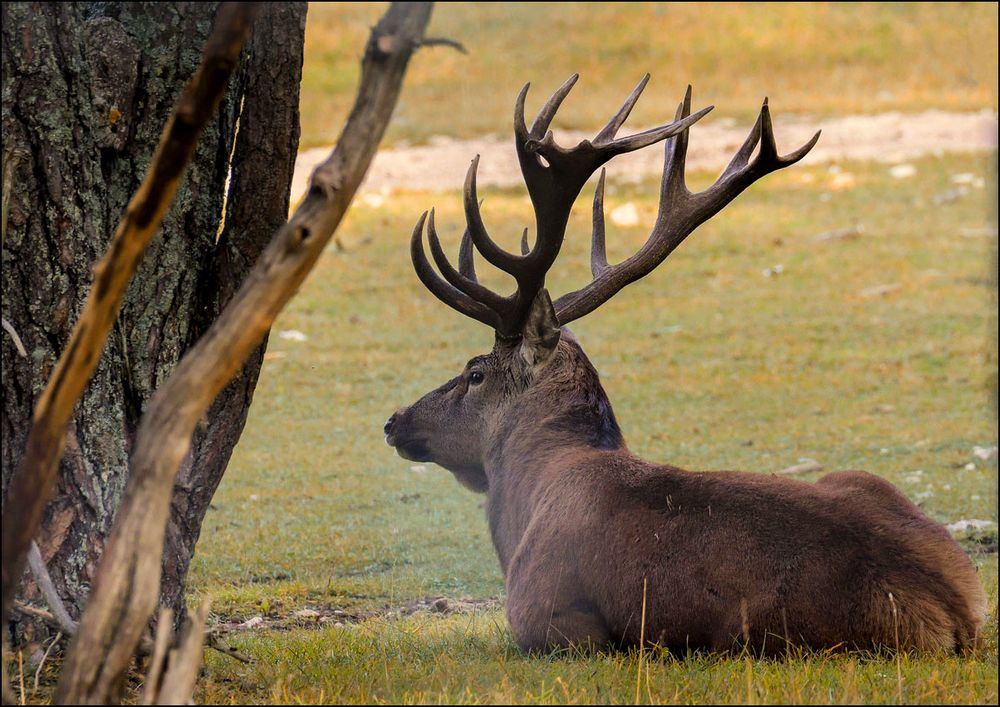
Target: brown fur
<point x="728" y="558"/>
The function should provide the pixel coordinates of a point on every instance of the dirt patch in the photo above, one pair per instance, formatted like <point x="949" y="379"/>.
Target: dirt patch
<point x="329" y="616"/>
<point x="886" y="137"/>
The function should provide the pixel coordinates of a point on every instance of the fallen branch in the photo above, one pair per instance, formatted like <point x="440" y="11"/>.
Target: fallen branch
<point x="803" y="468"/>
<point x="147" y="646"/>
<point x="41" y="663"/>
<point x="212" y="641"/>
<point x="33" y="481"/>
<point x="841" y="233"/>
<point x="127" y="581"/>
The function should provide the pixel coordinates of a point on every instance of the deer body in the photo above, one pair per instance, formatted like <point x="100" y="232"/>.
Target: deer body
<point x="601" y="548"/>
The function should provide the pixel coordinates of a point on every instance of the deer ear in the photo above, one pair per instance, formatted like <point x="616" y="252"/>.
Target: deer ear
<point x="541" y="332"/>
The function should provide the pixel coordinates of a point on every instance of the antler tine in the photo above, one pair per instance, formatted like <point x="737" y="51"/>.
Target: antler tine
<point x="524" y="243"/>
<point x="554" y="185"/>
<point x="493" y="253"/>
<point x="452" y="297"/>
<point x="674" y="183"/>
<point x="466" y="261"/>
<point x="743" y="171"/>
<point x="680" y="213"/>
<point x="618" y="119"/>
<point x="598" y="251"/>
<point x="650" y="137"/>
<point x="470" y="287"/>
<point x="548" y="111"/>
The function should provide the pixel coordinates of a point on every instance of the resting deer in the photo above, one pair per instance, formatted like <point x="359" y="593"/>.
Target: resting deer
<point x="601" y="548"/>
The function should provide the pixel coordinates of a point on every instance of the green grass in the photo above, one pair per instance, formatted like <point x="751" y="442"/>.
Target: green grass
<point x="821" y="58"/>
<point x="708" y="363"/>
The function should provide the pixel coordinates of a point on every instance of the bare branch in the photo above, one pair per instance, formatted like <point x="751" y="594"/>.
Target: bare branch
<point x="164" y="632"/>
<point x="127" y="581"/>
<point x="442" y="42"/>
<point x="33" y="480"/>
<point x="41" y="574"/>
<point x="9" y="328"/>
<point x="41" y="663"/>
<point x="182" y="670"/>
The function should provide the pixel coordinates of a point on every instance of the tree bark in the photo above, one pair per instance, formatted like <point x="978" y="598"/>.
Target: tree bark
<point x="87" y="89"/>
<point x="263" y="163"/>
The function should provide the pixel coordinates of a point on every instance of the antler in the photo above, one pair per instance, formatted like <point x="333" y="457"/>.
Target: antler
<point x="680" y="212"/>
<point x="554" y="177"/>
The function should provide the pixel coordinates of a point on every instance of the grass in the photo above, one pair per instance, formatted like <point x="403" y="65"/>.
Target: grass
<point x="821" y="58"/>
<point x="709" y="364"/>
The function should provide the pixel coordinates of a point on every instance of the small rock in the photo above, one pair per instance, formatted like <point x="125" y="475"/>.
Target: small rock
<point x="773" y="270"/>
<point x="440" y="606"/>
<point x="960" y="525"/>
<point x="902" y="171"/>
<point x="253" y="622"/>
<point x="292" y="335"/>
<point x="984" y="453"/>
<point x="310" y="614"/>
<point x="372" y="200"/>
<point x="963" y="178"/>
<point x="949" y="195"/>
<point x="844" y="180"/>
<point x="625" y="215"/>
<point x="971" y="466"/>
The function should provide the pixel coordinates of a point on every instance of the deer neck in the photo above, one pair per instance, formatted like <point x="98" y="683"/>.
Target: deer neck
<point x="540" y="439"/>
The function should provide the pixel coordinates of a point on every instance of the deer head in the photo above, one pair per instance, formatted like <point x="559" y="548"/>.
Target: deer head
<point x="536" y="377"/>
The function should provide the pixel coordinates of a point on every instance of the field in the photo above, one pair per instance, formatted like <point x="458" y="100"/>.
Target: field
<point x="869" y="352"/>
<point x="350" y="575"/>
<point x="819" y="58"/>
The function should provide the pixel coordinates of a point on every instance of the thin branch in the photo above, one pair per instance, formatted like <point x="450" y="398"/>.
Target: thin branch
<point x="41" y="663"/>
<point x="212" y="641"/>
<point x="37" y="612"/>
<point x="33" y="481"/>
<point x="146" y="646"/>
<point x="182" y="670"/>
<point x="44" y="581"/>
<point x="442" y="42"/>
<point x="127" y="581"/>
<point x="161" y="643"/>
<point x="9" y="328"/>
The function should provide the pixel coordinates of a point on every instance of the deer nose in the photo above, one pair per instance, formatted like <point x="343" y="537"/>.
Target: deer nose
<point x="389" y="423"/>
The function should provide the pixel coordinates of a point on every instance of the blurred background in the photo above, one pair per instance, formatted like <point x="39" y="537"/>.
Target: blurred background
<point x="823" y="59"/>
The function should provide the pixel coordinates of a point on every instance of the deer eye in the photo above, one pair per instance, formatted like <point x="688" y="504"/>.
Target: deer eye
<point x="476" y="377"/>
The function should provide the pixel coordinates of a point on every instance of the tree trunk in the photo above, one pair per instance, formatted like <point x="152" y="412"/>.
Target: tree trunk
<point x="87" y="89"/>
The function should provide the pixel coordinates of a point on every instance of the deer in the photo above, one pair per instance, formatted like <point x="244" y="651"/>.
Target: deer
<point x="603" y="550"/>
